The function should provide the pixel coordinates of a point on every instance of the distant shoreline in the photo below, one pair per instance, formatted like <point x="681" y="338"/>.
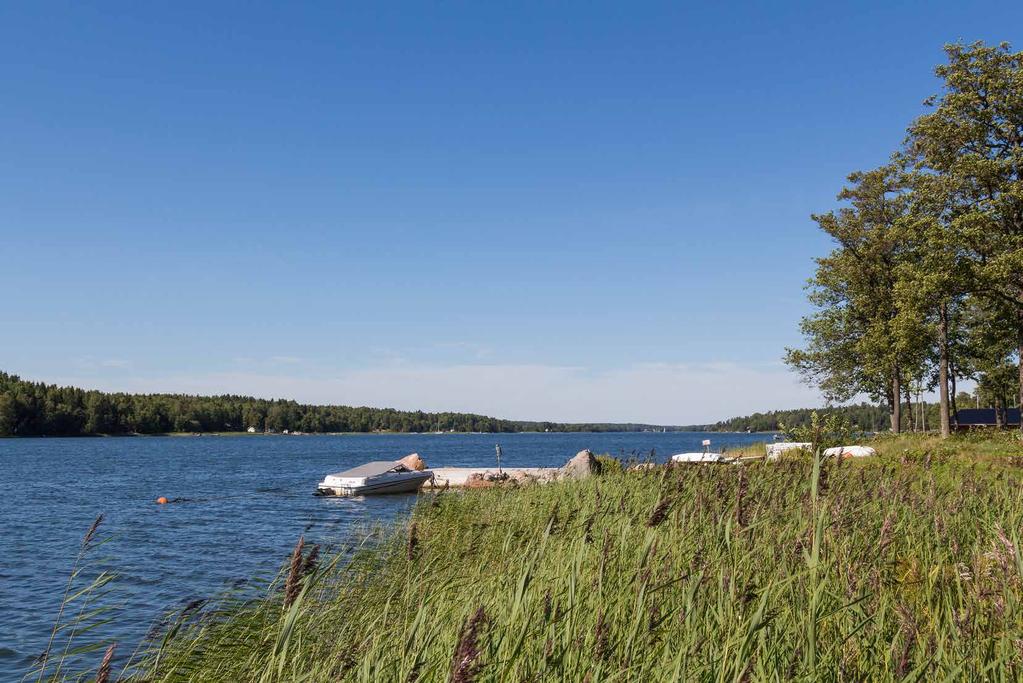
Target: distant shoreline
<point x="181" y="435"/>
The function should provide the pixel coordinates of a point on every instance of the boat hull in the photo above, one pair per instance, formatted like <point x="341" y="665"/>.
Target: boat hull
<point x="409" y="484"/>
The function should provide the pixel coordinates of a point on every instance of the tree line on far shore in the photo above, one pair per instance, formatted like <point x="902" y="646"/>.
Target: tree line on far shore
<point x="918" y="416"/>
<point x="925" y="284"/>
<point x="864" y="416"/>
<point x="38" y="409"/>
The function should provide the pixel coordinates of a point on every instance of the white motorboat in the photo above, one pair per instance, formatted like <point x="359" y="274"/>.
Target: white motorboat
<point x="383" y="476"/>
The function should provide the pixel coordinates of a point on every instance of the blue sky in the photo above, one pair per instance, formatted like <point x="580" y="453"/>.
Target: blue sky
<point x="573" y="211"/>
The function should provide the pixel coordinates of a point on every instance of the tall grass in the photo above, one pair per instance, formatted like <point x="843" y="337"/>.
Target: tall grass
<point x="902" y="567"/>
<point x="83" y="610"/>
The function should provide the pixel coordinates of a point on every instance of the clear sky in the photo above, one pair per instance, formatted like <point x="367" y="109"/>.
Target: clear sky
<point x="568" y="211"/>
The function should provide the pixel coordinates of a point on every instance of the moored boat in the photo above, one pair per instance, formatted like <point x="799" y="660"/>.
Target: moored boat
<point x="373" y="478"/>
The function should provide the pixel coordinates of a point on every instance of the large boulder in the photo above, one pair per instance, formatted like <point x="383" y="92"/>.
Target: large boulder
<point x="582" y="465"/>
<point x="413" y="462"/>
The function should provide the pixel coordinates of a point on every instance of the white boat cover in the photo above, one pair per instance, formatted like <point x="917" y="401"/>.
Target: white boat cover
<point x="850" y="451"/>
<point x="373" y="469"/>
<point x="699" y="457"/>
<point x="774" y="450"/>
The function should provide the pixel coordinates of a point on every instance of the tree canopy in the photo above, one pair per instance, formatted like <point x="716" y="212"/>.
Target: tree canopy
<point x="925" y="283"/>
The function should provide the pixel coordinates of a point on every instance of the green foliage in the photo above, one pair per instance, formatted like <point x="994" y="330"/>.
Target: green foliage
<point x="609" y="464"/>
<point x="971" y="144"/>
<point x="863" y="417"/>
<point x="925" y="283"/>
<point x="854" y="345"/>
<point x="968" y="181"/>
<point x="903" y="567"/>
<point x="822" y="432"/>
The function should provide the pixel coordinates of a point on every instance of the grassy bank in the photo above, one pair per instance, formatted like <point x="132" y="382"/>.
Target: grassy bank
<point x="902" y="567"/>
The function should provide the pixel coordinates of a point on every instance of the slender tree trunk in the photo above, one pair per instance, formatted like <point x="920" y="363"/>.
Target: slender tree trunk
<point x="999" y="423"/>
<point x="895" y="405"/>
<point x="954" y="407"/>
<point x="910" y="415"/>
<point x="943" y="371"/>
<point x="1019" y="344"/>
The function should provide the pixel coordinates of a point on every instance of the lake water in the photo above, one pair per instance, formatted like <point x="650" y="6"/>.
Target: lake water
<point x="248" y="501"/>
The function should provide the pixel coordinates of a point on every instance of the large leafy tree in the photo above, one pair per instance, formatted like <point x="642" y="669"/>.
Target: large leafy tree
<point x="932" y="282"/>
<point x="856" y="342"/>
<point x="971" y="144"/>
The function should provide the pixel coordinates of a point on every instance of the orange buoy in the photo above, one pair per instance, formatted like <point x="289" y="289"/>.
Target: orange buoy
<point x="161" y="501"/>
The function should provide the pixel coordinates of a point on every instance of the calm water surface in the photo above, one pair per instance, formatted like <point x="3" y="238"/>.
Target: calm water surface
<point x="248" y="500"/>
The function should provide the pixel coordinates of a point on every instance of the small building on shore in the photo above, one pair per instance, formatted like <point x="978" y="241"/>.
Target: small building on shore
<point x="985" y="418"/>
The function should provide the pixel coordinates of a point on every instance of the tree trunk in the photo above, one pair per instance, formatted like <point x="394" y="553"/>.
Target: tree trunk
<point x="999" y="423"/>
<point x="910" y="416"/>
<point x="895" y="405"/>
<point x="943" y="371"/>
<point x="1019" y="344"/>
<point x="953" y="406"/>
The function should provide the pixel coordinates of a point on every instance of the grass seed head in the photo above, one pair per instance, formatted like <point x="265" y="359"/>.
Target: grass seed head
<point x="465" y="664"/>
<point x="660" y="512"/>
<point x="90" y="535"/>
<point x="294" y="581"/>
<point x="413" y="542"/>
<point x="311" y="560"/>
<point x="103" y="673"/>
<point x="741" y="499"/>
<point x="600" y="645"/>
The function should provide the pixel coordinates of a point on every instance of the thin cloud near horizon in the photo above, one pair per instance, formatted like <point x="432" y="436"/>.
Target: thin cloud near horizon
<point x="652" y="393"/>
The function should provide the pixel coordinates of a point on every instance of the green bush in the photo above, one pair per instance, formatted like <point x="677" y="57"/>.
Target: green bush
<point x="609" y="464"/>
<point x="823" y="432"/>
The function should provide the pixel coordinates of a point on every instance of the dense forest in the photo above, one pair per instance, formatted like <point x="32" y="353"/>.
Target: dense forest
<point x="37" y="409"/>
<point x="865" y="416"/>
<point x="924" y="285"/>
<point x="917" y="416"/>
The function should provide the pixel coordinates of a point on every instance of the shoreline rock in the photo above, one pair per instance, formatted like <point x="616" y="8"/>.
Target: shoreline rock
<point x="582" y="465"/>
<point x="414" y="462"/>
